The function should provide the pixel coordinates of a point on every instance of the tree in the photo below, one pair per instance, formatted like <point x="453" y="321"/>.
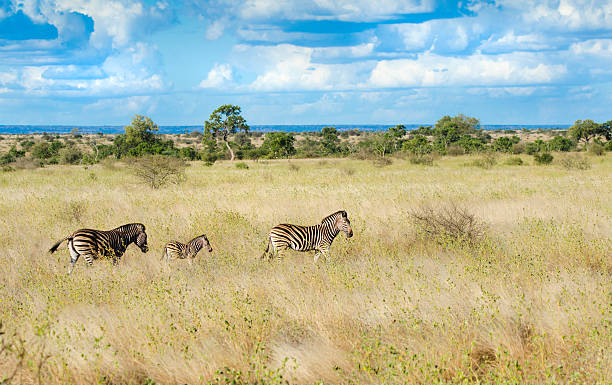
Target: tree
<point x="605" y="130"/>
<point x="450" y="129"/>
<point x="584" y="130"/>
<point x="397" y="133"/>
<point x="224" y="121"/>
<point x="140" y="139"/>
<point x="330" y="140"/>
<point x="278" y="145"/>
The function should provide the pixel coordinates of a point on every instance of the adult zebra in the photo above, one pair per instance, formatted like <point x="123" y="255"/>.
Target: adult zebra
<point x="306" y="238"/>
<point x="186" y="250"/>
<point x="93" y="244"/>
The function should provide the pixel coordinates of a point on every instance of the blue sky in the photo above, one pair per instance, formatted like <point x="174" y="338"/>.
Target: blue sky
<point x="91" y="62"/>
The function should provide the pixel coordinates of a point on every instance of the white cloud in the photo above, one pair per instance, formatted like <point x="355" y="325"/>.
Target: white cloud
<point x="595" y="47"/>
<point x="345" y="10"/>
<point x="563" y="14"/>
<point x="215" y="29"/>
<point x="433" y="70"/>
<point x="219" y="75"/>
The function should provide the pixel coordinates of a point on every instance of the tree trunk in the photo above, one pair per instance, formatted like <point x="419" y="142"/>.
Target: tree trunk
<point x="230" y="150"/>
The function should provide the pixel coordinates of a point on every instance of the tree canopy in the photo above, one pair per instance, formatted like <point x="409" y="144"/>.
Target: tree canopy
<point x="224" y="121"/>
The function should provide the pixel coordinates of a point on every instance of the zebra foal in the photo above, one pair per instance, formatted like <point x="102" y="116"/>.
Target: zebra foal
<point x="306" y="238"/>
<point x="189" y="250"/>
<point x="93" y="244"/>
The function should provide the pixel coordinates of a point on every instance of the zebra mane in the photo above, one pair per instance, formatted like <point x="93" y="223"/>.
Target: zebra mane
<point x="199" y="238"/>
<point x="131" y="226"/>
<point x="332" y="217"/>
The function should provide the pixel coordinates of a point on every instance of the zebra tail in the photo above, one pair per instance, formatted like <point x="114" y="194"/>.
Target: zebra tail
<point x="54" y="247"/>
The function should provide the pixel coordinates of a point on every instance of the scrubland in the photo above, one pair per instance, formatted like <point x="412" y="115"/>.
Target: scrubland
<point x="530" y="302"/>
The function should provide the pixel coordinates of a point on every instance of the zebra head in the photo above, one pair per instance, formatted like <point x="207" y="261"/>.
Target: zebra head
<point x="141" y="238"/>
<point x="206" y="243"/>
<point x="342" y="223"/>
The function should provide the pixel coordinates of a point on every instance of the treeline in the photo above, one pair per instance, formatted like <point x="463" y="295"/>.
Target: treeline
<point x="227" y="136"/>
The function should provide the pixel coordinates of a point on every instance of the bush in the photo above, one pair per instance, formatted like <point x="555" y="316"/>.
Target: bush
<point x="159" y="170"/>
<point x="608" y="145"/>
<point x="70" y="155"/>
<point x="518" y="148"/>
<point x="514" y="161"/>
<point x="544" y="158"/>
<point x="561" y="143"/>
<point x="242" y="166"/>
<point x="188" y="153"/>
<point x="6" y="159"/>
<point x="596" y="149"/>
<point x="448" y="221"/>
<point x="575" y="162"/>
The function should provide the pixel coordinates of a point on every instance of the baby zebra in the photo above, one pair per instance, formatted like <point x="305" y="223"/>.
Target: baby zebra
<point x="93" y="244"/>
<point x="189" y="250"/>
<point x="306" y="238"/>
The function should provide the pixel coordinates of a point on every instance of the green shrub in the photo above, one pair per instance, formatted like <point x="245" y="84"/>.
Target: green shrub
<point x="544" y="158"/>
<point x="608" y="145"/>
<point x="419" y="145"/>
<point x="505" y="143"/>
<point x="596" y="149"/>
<point x="561" y="143"/>
<point x="242" y="166"/>
<point x="6" y="159"/>
<point x="70" y="155"/>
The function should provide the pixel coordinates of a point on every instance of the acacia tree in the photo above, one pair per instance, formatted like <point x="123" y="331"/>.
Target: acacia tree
<point x="224" y="121"/>
<point x="584" y="130"/>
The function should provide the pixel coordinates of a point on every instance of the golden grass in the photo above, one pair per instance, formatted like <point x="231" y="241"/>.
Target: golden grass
<point x="531" y="303"/>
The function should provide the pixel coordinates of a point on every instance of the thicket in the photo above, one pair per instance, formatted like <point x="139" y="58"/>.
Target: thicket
<point x="226" y="135"/>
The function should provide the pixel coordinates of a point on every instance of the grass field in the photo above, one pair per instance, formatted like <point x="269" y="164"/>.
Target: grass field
<point x="529" y="303"/>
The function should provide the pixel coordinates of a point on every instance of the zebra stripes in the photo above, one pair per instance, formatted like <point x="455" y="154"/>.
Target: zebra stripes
<point x="93" y="244"/>
<point x="186" y="250"/>
<point x="306" y="238"/>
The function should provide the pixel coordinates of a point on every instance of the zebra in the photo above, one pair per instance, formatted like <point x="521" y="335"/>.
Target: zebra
<point x="93" y="244"/>
<point x="186" y="250"/>
<point x="306" y="238"/>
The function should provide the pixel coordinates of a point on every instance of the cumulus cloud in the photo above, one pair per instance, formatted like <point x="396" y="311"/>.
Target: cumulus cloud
<point x="429" y="70"/>
<point x="219" y="75"/>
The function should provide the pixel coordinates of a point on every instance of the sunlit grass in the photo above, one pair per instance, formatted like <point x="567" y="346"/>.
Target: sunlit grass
<point x="530" y="303"/>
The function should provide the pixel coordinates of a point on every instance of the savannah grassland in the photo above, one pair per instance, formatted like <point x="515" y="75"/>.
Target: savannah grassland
<point x="529" y="303"/>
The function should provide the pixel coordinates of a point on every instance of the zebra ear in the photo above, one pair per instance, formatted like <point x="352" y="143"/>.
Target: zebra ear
<point x="344" y="215"/>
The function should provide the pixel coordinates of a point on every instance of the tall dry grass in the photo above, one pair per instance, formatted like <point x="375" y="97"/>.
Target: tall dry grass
<point x="528" y="303"/>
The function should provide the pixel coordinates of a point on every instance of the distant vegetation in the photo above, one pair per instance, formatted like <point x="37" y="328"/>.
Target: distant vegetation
<point x="226" y="135"/>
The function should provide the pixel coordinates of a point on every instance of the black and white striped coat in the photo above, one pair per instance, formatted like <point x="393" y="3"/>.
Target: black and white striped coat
<point x="189" y="250"/>
<point x="93" y="244"/>
<point x="305" y="238"/>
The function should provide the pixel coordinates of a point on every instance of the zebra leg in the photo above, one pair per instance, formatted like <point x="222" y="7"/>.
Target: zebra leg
<point x="74" y="257"/>
<point x="89" y="259"/>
